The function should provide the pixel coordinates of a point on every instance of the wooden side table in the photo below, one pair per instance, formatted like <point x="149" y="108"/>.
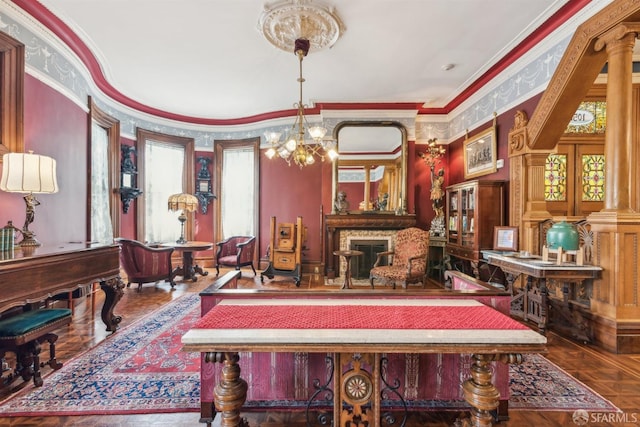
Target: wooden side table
<point x="188" y="270"/>
<point x="347" y="272"/>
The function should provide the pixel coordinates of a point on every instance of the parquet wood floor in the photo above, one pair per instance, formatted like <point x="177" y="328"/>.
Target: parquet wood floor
<point x="615" y="377"/>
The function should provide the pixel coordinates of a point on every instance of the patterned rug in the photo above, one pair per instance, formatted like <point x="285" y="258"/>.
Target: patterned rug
<point x="141" y="369"/>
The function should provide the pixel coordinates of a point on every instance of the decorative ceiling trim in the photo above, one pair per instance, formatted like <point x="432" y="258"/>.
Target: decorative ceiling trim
<point x="284" y="22"/>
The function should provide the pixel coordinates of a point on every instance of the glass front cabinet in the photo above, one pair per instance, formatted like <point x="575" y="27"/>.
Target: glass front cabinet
<point x="474" y="208"/>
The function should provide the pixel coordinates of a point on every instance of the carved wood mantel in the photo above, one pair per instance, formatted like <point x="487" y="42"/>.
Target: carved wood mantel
<point x="377" y="221"/>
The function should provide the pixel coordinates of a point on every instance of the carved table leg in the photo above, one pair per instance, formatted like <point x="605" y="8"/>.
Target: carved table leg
<point x="480" y="392"/>
<point x="113" y="291"/>
<point x="231" y="393"/>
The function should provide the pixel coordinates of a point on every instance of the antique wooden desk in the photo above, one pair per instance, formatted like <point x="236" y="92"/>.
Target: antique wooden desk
<point x="32" y="275"/>
<point x="531" y="301"/>
<point x="359" y="332"/>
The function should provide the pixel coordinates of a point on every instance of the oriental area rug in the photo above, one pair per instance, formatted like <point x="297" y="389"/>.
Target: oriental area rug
<point x="141" y="369"/>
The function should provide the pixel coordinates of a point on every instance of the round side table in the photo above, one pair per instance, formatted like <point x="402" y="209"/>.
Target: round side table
<point x="347" y="272"/>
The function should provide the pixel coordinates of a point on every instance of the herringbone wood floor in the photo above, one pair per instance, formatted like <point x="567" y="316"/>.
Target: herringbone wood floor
<point x="616" y="377"/>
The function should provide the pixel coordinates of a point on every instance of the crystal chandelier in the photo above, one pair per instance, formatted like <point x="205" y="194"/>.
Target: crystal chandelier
<point x="294" y="148"/>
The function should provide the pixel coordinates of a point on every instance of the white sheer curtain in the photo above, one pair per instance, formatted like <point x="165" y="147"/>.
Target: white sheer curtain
<point x="164" y="166"/>
<point x="101" y="227"/>
<point x="237" y="195"/>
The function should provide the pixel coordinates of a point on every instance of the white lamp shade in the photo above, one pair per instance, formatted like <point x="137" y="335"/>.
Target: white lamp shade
<point x="28" y="173"/>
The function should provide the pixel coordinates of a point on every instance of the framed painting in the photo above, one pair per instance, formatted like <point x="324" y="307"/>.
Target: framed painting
<point x="505" y="238"/>
<point x="480" y="154"/>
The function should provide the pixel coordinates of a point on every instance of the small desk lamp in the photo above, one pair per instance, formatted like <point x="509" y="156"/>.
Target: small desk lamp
<point x="30" y="174"/>
<point x="186" y="203"/>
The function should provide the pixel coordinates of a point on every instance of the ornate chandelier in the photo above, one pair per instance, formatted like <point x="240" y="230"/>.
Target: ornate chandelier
<point x="433" y="154"/>
<point x="294" y="147"/>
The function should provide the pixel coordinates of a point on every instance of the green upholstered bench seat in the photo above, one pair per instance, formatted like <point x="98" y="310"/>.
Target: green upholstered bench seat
<point x="23" y="335"/>
<point x="30" y="321"/>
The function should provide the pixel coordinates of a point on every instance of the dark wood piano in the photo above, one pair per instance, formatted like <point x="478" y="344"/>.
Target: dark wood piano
<point x="30" y="275"/>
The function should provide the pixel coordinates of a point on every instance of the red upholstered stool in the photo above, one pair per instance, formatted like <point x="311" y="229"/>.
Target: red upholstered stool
<point x="23" y="335"/>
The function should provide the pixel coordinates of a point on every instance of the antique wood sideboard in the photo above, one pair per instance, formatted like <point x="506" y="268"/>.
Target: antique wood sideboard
<point x="533" y="301"/>
<point x="31" y="275"/>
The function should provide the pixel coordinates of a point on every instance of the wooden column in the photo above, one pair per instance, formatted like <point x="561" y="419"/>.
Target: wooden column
<point x="616" y="298"/>
<point x="619" y="44"/>
<point x="527" y="207"/>
<point x="367" y="187"/>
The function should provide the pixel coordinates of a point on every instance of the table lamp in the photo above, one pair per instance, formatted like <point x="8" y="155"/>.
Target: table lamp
<point x="30" y="174"/>
<point x="186" y="203"/>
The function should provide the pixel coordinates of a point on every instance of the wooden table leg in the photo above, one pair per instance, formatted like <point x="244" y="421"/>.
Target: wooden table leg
<point x="231" y="393"/>
<point x="347" y="273"/>
<point x="480" y="392"/>
<point x="113" y="291"/>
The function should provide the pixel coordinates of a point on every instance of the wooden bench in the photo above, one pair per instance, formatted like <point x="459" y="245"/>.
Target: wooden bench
<point x="23" y="335"/>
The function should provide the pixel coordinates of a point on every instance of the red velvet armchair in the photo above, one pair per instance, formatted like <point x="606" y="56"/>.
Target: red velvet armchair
<point x="409" y="259"/>
<point x="144" y="264"/>
<point x="236" y="251"/>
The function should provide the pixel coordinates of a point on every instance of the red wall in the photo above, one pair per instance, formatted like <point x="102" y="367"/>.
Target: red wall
<point x="287" y="192"/>
<point x="56" y="127"/>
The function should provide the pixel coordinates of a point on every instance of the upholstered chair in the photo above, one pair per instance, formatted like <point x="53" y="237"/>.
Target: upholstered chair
<point x="144" y="264"/>
<point x="407" y="262"/>
<point x="237" y="252"/>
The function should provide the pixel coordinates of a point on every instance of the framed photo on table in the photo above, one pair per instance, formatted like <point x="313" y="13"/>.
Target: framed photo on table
<point x="505" y="239"/>
<point x="480" y="154"/>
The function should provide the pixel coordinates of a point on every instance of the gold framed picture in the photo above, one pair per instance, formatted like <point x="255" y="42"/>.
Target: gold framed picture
<point x="480" y="154"/>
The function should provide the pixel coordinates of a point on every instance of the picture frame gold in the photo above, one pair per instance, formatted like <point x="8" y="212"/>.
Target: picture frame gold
<point x="480" y="154"/>
<point x="505" y="238"/>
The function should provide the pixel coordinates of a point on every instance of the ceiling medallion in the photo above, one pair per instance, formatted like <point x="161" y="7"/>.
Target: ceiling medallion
<point x="284" y="22"/>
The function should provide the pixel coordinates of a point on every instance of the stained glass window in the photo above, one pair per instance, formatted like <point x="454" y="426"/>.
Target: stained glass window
<point x="593" y="177"/>
<point x="590" y="117"/>
<point x="555" y="178"/>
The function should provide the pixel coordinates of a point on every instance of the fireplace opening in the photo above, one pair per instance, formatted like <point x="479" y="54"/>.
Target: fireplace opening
<point x="361" y="265"/>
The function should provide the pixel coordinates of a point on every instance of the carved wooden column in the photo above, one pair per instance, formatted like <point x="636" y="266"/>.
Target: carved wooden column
<point x="527" y="207"/>
<point x="617" y="227"/>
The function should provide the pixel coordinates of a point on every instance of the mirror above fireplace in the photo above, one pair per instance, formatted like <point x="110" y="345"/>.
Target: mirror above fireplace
<point x="372" y="166"/>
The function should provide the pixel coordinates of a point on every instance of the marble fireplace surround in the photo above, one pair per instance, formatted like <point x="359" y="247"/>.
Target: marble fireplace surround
<point x="348" y="236"/>
<point x="343" y="229"/>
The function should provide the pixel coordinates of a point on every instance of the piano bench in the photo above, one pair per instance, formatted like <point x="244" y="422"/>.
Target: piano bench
<point x="23" y="334"/>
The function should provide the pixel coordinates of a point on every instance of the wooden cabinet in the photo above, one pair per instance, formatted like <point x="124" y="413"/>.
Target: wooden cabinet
<point x="474" y="208"/>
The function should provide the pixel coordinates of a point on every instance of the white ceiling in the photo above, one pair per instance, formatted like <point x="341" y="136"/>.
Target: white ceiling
<point x="207" y="58"/>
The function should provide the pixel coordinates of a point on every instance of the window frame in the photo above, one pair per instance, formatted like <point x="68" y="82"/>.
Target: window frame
<point x="188" y="178"/>
<point x="112" y="127"/>
<point x="11" y="95"/>
<point x="219" y="147"/>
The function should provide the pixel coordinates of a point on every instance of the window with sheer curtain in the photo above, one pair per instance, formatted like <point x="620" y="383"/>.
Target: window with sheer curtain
<point x="163" y="177"/>
<point x="103" y="209"/>
<point x="237" y="195"/>
<point x="101" y="226"/>
<point x="237" y="187"/>
<point x="165" y="168"/>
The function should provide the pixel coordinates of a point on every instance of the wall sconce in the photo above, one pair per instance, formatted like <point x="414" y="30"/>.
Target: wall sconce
<point x="203" y="184"/>
<point x="30" y="174"/>
<point x="186" y="203"/>
<point x="128" y="173"/>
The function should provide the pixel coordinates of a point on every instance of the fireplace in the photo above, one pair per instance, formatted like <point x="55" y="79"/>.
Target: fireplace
<point x="361" y="265"/>
<point x="368" y="241"/>
<point x="343" y="229"/>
